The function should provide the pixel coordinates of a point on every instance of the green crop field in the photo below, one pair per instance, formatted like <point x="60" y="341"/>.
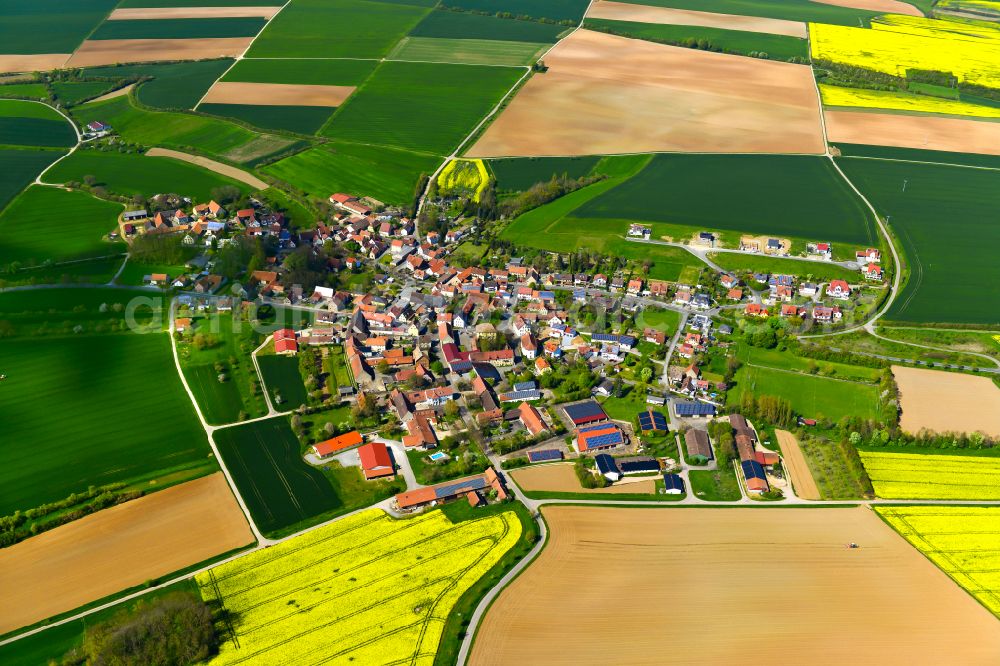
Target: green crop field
<point x="468" y="51"/>
<point x="810" y="396"/>
<point x="387" y="174"/>
<point x="33" y="124"/>
<point x="74" y="92"/>
<point x="94" y="271"/>
<point x="303" y="72"/>
<point x="944" y="221"/>
<point x="755" y="263"/>
<point x="46" y="223"/>
<point x="131" y="173"/>
<point x="282" y="377"/>
<point x="791" y="10"/>
<point x="220" y="402"/>
<point x="282" y="491"/>
<point x="176" y="85"/>
<point x="443" y="104"/>
<point x="463" y="25"/>
<point x="189" y="28"/>
<point x="739" y="42"/>
<point x="18" y="167"/>
<point x="49" y="26"/>
<point x="336" y="28"/>
<point x="781" y="195"/>
<point x="32" y="90"/>
<point x="557" y="10"/>
<point x="182" y="131"/>
<point x="197" y="3"/>
<point x="918" y="155"/>
<point x="552" y="227"/>
<point x="122" y="416"/>
<point x="301" y="119"/>
<point x="520" y="173"/>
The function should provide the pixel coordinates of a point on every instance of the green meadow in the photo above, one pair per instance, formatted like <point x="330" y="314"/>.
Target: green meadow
<point x="302" y="72"/>
<point x="444" y="103"/>
<point x="282" y="377"/>
<point x="755" y="263"/>
<point x="74" y="92"/>
<point x="463" y="25"/>
<point x="18" y="167"/>
<point x="49" y="26"/>
<point x="122" y="417"/>
<point x="32" y="124"/>
<point x="468" y="51"/>
<point x="300" y="119"/>
<point x="131" y="173"/>
<point x="557" y="10"/>
<point x="336" y="29"/>
<point x="51" y="224"/>
<point x="32" y="90"/>
<point x="515" y="174"/>
<point x="387" y="174"/>
<point x="175" y="85"/>
<point x="944" y="217"/>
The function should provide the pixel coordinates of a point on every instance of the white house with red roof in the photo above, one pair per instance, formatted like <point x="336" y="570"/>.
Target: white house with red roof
<point x="839" y="289"/>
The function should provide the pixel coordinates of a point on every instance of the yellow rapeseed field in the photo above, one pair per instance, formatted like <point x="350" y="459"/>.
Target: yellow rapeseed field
<point x="932" y="476"/>
<point x="367" y="589"/>
<point x="901" y="101"/>
<point x="968" y="49"/>
<point x="963" y="541"/>
<point x="462" y="175"/>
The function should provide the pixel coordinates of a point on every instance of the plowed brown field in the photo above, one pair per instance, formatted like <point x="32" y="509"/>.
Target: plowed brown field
<point x="802" y="479"/>
<point x="39" y="62"/>
<point x="622" y="11"/>
<point x="721" y="586"/>
<point x="906" y="131"/>
<point x="110" y="51"/>
<point x="947" y="401"/>
<point x="562" y="479"/>
<point x="118" y="548"/>
<point x="211" y="165"/>
<point x="133" y="13"/>
<point x="605" y="94"/>
<point x="276" y="94"/>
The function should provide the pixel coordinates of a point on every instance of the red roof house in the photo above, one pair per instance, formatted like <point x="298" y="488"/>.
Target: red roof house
<point x="376" y="462"/>
<point x="284" y="342"/>
<point x="337" y="444"/>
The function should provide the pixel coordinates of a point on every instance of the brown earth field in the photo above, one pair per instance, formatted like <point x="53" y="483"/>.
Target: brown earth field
<point x="211" y="165"/>
<point x="913" y="131"/>
<point x="562" y="479"/>
<point x="887" y="6"/>
<point x="111" y="51"/>
<point x="276" y="94"/>
<point x="622" y="11"/>
<point x="712" y="586"/>
<point x="947" y="401"/>
<point x="114" y="93"/>
<point x="605" y="94"/>
<point x="133" y="13"/>
<point x="39" y="62"/>
<point x="118" y="548"/>
<point x="802" y="479"/>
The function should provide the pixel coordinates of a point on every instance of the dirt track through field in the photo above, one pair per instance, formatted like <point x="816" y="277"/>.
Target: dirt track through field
<point x="39" y="62"/>
<point x="110" y="51"/>
<point x="562" y="479"/>
<point x="727" y="586"/>
<point x="947" y="401"/>
<point x="118" y="548"/>
<point x="211" y="165"/>
<point x="605" y="94"/>
<point x="887" y="6"/>
<point x="276" y="94"/>
<point x="912" y="131"/>
<point x="795" y="461"/>
<point x="133" y="13"/>
<point x="114" y="93"/>
<point x="622" y="11"/>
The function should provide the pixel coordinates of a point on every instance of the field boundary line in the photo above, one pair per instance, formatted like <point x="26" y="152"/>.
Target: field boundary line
<point x="240" y="56"/>
<point x="894" y="159"/>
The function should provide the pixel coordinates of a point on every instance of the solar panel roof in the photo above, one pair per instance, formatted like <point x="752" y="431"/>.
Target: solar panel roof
<point x="547" y="454"/>
<point x="585" y="410"/>
<point x="673" y="482"/>
<point x="752" y="469"/>
<point x="477" y="483"/>
<point x="693" y="408"/>
<point x="605" y="463"/>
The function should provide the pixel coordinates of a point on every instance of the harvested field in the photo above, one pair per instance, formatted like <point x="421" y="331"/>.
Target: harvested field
<point x="664" y="573"/>
<point x="562" y="479"/>
<point x="605" y="94"/>
<point x="887" y="6"/>
<point x="276" y="94"/>
<point x="37" y="62"/>
<point x="621" y="11"/>
<point x="133" y="13"/>
<point x="114" y="93"/>
<point x="110" y="51"/>
<point x="802" y="479"/>
<point x="947" y="401"/>
<point x="118" y="548"/>
<point x="905" y="131"/>
<point x="211" y="165"/>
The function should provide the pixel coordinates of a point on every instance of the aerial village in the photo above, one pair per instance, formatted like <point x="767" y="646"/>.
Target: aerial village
<point x="511" y="364"/>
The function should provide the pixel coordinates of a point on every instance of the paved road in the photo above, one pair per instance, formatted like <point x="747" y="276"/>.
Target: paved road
<point x="703" y="252"/>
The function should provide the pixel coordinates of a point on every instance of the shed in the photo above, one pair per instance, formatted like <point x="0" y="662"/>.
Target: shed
<point x="673" y="484"/>
<point x="585" y="412"/>
<point x="607" y="466"/>
<point x="697" y="443"/>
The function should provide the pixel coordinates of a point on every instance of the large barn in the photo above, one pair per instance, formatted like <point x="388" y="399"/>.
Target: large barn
<point x="586" y="412"/>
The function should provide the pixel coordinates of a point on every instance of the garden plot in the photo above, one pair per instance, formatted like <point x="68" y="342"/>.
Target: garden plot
<point x="605" y="94"/>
